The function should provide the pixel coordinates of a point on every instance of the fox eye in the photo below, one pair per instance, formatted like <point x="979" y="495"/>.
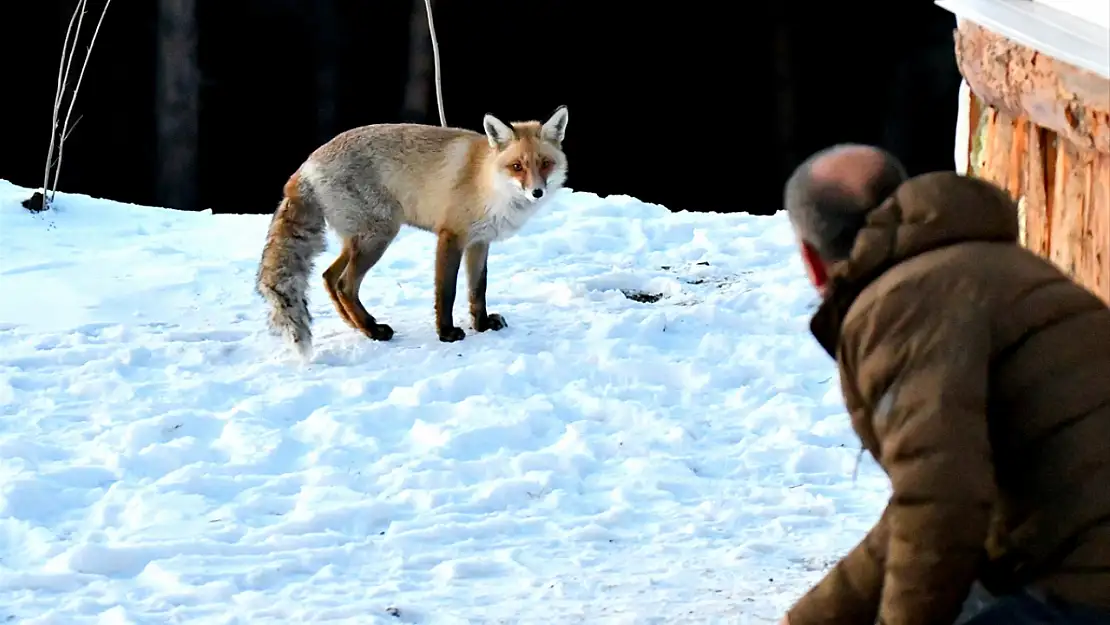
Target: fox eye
<point x="546" y="163"/>
<point x="517" y="166"/>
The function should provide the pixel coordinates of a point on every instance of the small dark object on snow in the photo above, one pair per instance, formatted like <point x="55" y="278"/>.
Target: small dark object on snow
<point x="36" y="203"/>
<point x="642" y="297"/>
<point x="393" y="611"/>
<point x="701" y="263"/>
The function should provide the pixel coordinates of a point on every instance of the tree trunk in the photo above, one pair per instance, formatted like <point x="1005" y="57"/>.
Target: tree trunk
<point x="327" y="60"/>
<point x="177" y="105"/>
<point x="785" y="87"/>
<point x="419" y="84"/>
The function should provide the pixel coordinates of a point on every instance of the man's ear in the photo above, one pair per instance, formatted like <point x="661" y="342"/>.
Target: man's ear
<point x="816" y="268"/>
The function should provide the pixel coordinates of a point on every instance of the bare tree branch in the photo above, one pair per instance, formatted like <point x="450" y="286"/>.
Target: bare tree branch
<point x="73" y="98"/>
<point x="59" y="91"/>
<point x="40" y="201"/>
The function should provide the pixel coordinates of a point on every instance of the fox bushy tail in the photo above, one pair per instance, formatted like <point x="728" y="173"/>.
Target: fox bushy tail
<point x="296" y="236"/>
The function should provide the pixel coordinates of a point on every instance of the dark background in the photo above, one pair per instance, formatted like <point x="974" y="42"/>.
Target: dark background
<point x="698" y="106"/>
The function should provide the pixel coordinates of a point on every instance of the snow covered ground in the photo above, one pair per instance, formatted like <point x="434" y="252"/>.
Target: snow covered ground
<point x="163" y="459"/>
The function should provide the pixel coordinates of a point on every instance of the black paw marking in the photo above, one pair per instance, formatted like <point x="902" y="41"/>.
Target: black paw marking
<point x="490" y="322"/>
<point x="380" y="332"/>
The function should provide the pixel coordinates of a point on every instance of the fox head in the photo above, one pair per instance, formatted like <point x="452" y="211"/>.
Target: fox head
<point x="528" y="158"/>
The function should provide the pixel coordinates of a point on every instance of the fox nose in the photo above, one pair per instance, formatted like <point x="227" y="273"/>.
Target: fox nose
<point x="537" y="193"/>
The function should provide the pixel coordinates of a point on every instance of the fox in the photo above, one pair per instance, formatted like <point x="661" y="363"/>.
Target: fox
<point x="467" y="188"/>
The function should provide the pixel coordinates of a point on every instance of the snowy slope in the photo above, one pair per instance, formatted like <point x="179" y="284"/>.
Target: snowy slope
<point x="165" y="460"/>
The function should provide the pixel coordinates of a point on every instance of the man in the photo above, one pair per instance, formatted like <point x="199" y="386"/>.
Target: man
<point x="978" y="376"/>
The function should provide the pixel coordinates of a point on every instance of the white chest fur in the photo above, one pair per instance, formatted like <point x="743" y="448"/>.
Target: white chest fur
<point x="504" y="217"/>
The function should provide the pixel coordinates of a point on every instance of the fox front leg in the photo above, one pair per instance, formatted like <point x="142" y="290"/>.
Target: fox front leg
<point x="449" y="252"/>
<point x="476" y="256"/>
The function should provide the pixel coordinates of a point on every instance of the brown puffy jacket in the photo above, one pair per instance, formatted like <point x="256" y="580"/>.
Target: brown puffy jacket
<point x="978" y="376"/>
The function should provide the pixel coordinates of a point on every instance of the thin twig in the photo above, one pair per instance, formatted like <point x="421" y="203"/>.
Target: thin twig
<point x="73" y="98"/>
<point x="82" y="6"/>
<point x="435" y="60"/>
<point x="75" y="122"/>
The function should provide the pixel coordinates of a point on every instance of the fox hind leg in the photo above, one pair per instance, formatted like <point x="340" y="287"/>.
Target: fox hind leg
<point x="365" y="252"/>
<point x="331" y="283"/>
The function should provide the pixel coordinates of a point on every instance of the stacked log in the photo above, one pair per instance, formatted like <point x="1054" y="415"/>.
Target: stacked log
<point x="1040" y="128"/>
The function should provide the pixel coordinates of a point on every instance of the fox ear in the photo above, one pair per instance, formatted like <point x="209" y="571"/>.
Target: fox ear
<point x="555" y="128"/>
<point x="498" y="132"/>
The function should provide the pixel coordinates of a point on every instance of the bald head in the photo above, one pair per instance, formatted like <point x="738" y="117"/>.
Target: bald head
<point x="830" y="194"/>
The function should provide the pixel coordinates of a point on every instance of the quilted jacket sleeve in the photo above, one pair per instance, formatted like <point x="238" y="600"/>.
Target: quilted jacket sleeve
<point x="921" y="362"/>
<point x="849" y="593"/>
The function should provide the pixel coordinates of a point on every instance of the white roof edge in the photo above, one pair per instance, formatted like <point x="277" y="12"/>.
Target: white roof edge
<point x="1095" y="11"/>
<point x="1046" y="29"/>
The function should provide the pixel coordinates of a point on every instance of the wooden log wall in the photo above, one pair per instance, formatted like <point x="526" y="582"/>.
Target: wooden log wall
<point x="1042" y="132"/>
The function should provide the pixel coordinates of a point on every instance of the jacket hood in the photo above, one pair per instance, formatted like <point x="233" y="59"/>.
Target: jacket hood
<point x="925" y="213"/>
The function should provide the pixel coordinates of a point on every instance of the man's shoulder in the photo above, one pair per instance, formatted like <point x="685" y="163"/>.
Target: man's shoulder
<point x="1007" y="285"/>
<point x="955" y="275"/>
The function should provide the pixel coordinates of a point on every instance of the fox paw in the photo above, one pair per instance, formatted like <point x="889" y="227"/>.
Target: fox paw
<point x="379" y="332"/>
<point x="450" y="335"/>
<point x="492" y="321"/>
